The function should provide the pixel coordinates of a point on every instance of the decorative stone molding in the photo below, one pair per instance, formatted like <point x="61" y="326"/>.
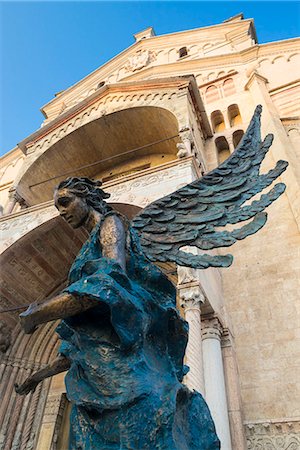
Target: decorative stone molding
<point x="211" y="328"/>
<point x="133" y="189"/>
<point x="191" y="296"/>
<point x="53" y="407"/>
<point x="15" y="226"/>
<point x="59" y="420"/>
<point x="273" y="435"/>
<point x="21" y="363"/>
<point x="5" y="337"/>
<point x="112" y="102"/>
<point x="186" y="146"/>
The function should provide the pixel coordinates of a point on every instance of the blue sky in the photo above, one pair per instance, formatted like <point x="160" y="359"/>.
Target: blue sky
<point x="48" y="46"/>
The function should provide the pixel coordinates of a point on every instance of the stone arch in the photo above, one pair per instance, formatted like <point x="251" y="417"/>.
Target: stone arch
<point x="293" y="132"/>
<point x="222" y="148"/>
<point x="236" y="137"/>
<point x="172" y="55"/>
<point x="193" y="49"/>
<point x="229" y="87"/>
<point x="264" y="61"/>
<point x="234" y="115"/>
<point x="293" y="56"/>
<point x="207" y="47"/>
<point x="29" y="353"/>
<point x="123" y="129"/>
<point x="217" y="120"/>
<point x="278" y="58"/>
<point x="212" y="94"/>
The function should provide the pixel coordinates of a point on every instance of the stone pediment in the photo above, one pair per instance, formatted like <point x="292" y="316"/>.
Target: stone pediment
<point x="152" y="51"/>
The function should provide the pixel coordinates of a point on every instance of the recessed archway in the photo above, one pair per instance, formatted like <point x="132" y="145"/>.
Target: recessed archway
<point x="117" y="143"/>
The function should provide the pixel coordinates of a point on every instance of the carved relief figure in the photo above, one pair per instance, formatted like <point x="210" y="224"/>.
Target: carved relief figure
<point x="123" y="341"/>
<point x="139" y="60"/>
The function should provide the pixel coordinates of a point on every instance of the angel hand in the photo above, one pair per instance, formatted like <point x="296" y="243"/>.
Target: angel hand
<point x="26" y="320"/>
<point x="29" y="385"/>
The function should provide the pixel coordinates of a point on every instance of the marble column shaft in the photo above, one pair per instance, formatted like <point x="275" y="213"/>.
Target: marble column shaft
<point x="215" y="389"/>
<point x="191" y="298"/>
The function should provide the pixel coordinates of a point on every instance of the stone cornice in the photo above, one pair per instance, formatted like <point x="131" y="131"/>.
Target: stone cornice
<point x="241" y="57"/>
<point x="218" y="79"/>
<point x="163" y="40"/>
<point x="23" y="212"/>
<point x="178" y="82"/>
<point x="187" y="66"/>
<point x="118" y="181"/>
<point x="255" y="76"/>
<point x="284" y="86"/>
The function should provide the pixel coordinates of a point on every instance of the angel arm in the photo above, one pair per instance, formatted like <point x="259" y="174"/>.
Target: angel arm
<point x="60" y="364"/>
<point x="112" y="239"/>
<point x="59" y="307"/>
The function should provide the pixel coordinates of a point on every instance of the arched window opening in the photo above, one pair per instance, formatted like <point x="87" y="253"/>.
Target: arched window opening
<point x="229" y="87"/>
<point x="212" y="94"/>
<point x="234" y="115"/>
<point x="222" y="147"/>
<point x="236" y="137"/>
<point x="217" y="121"/>
<point x="182" y="52"/>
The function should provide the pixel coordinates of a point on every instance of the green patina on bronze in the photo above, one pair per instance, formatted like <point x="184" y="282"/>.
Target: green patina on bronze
<point x="193" y="214"/>
<point x="123" y="340"/>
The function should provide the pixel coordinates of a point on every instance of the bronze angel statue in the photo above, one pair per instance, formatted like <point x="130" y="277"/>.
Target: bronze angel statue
<point x="122" y="338"/>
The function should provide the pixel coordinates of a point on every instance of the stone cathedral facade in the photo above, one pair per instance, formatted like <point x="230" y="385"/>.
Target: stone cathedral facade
<point x="154" y="118"/>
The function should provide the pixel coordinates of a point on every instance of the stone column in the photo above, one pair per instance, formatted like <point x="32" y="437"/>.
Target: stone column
<point x="214" y="379"/>
<point x="238" y="438"/>
<point x="12" y="200"/>
<point x="230" y="143"/>
<point x="191" y="297"/>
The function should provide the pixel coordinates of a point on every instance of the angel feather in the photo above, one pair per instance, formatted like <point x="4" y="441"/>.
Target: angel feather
<point x="193" y="214"/>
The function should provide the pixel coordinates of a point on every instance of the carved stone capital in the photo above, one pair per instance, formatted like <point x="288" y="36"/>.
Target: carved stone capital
<point x="20" y="200"/>
<point x="191" y="296"/>
<point x="227" y="338"/>
<point x="14" y="197"/>
<point x="187" y="275"/>
<point x="211" y="328"/>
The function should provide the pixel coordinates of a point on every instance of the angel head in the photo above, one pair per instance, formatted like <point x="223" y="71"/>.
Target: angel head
<point x="75" y="198"/>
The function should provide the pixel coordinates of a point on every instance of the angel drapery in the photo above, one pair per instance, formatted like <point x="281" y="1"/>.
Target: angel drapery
<point x="194" y="214"/>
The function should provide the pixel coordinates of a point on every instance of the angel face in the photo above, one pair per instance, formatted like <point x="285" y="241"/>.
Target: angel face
<point x="72" y="208"/>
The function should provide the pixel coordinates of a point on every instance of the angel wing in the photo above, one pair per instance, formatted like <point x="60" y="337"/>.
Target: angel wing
<point x="194" y="214"/>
